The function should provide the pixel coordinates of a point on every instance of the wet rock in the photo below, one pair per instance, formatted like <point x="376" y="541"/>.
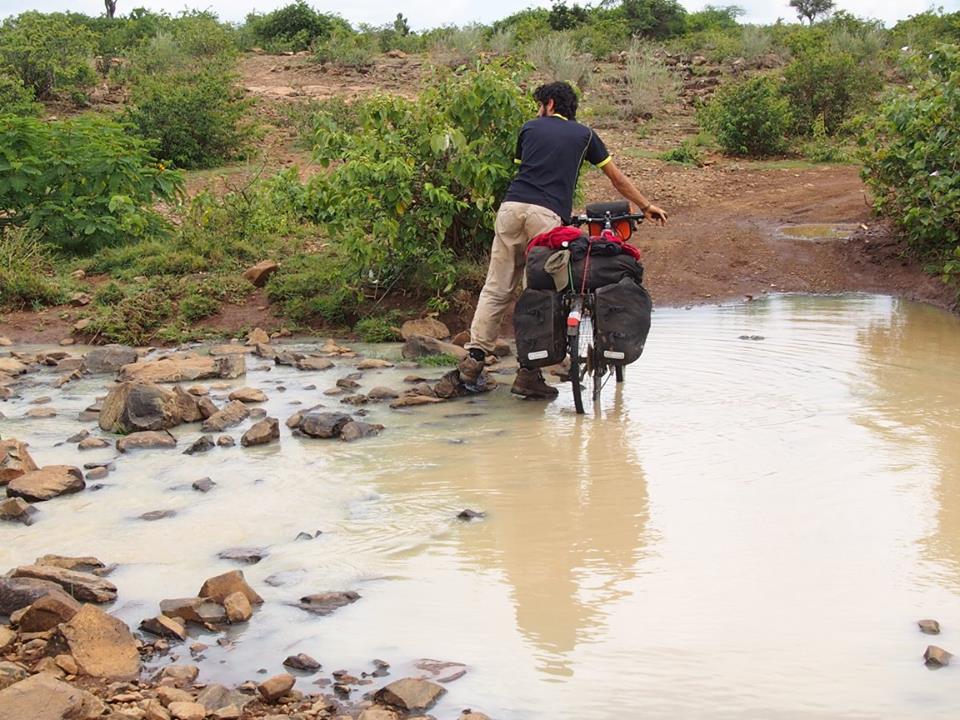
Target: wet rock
<point x="92" y="443"/>
<point x="258" y="336"/>
<point x="147" y="440"/>
<point x="14" y="460"/>
<point x="473" y="715"/>
<point x="379" y="712"/>
<point x="323" y="425"/>
<point x="108" y="359"/>
<point x="46" y="483"/>
<point x="201" y="445"/>
<point x="355" y="430"/>
<point x="78" y="436"/>
<point x="751" y="337"/>
<point x="48" y="612"/>
<point x="40" y="413"/>
<point x="178" y="675"/>
<point x="132" y="406"/>
<point x="226" y="441"/>
<point x="418" y="346"/>
<point x="382" y="393"/>
<point x="314" y="364"/>
<point x="164" y="626"/>
<point x="187" y="711"/>
<point x="168" y="694"/>
<point x="43" y="697"/>
<point x="207" y="407"/>
<point x="216" y="697"/>
<point x="276" y="687"/>
<point x="413" y="401"/>
<point x="373" y="364"/>
<point x="85" y="587"/>
<point x="356" y="400"/>
<point x="97" y="473"/>
<point x="102" y="645"/>
<point x="424" y="327"/>
<point x="929" y="627"/>
<point x="246" y="555"/>
<point x="261" y="433"/>
<point x="16" y="510"/>
<point x="325" y="603"/>
<point x="188" y="406"/>
<point x="347" y="383"/>
<point x="232" y="348"/>
<point x="186" y="609"/>
<point x="441" y="671"/>
<point x="248" y="395"/>
<point x="185" y="369"/>
<point x="461" y="338"/>
<point x="237" y="608"/>
<point x="11" y="673"/>
<point x="85" y="563"/>
<point x="410" y="694"/>
<point x="294" y="420"/>
<point x="936" y="657"/>
<point x="155" y="515"/>
<point x="259" y="274"/>
<point x="230" y="712"/>
<point x="232" y="414"/>
<point x="203" y="485"/>
<point x="219" y="587"/>
<point x="12" y="366"/>
<point x="18" y="593"/>
<point x="302" y="661"/>
<point x="468" y="515"/>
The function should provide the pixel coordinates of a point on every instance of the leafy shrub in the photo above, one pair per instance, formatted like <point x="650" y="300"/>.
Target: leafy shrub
<point x="602" y="36"/>
<point x="50" y="54"/>
<point x="654" y="18"/>
<point x="555" y="56"/>
<point x="378" y="329"/>
<point x="416" y="185"/>
<point x="201" y="35"/>
<point x="26" y="271"/>
<point x="685" y="153"/>
<point x="821" y="148"/>
<point x="925" y="30"/>
<point x="197" y="306"/>
<point x="749" y="118"/>
<point x="650" y="83"/>
<point x="455" y="46"/>
<point x="82" y="183"/>
<point x="196" y="118"/>
<point x="828" y="85"/>
<point x="137" y="317"/>
<point x="910" y="160"/>
<point x="567" y="17"/>
<point x="293" y="27"/>
<point x="15" y="99"/>
<point x="350" y="50"/>
<point x="713" y="18"/>
<point x="525" y="25"/>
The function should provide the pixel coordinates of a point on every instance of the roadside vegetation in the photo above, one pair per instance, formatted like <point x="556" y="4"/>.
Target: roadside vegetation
<point x="105" y="121"/>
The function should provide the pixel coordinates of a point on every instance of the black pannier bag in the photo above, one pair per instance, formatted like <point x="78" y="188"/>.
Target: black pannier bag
<point x="539" y="324"/>
<point x="622" y="318"/>
<point x="604" y="270"/>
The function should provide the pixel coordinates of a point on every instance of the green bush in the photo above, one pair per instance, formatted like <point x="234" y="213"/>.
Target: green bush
<point x="347" y="49"/>
<point x="81" y="183"/>
<point x="829" y="85"/>
<point x="910" y="159"/>
<point x="416" y="185"/>
<point x="749" y="118"/>
<point x="137" y="317"/>
<point x="15" y="99"/>
<point x="378" y="329"/>
<point x="821" y="148"/>
<point x="650" y="83"/>
<point x="654" y="18"/>
<point x="555" y="56"/>
<point x="925" y="30"/>
<point x="685" y="153"/>
<point x="294" y="27"/>
<point x="51" y="55"/>
<point x="196" y="118"/>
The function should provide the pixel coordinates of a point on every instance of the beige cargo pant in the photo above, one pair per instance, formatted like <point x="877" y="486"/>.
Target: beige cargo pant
<point x="517" y="224"/>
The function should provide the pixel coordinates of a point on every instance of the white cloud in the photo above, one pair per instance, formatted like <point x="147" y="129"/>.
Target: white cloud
<point x="429" y="13"/>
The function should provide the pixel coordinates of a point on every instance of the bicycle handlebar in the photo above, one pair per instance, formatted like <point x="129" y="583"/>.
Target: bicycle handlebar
<point x="578" y="220"/>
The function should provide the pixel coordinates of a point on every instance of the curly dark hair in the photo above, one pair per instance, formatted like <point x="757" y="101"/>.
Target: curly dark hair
<point x="563" y="95"/>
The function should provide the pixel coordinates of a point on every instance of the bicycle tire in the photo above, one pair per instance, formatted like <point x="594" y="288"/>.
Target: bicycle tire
<point x="618" y="370"/>
<point x="573" y="348"/>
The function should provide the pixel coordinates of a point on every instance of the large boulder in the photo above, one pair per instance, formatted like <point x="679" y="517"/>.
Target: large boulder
<point x="102" y="645"/>
<point x="146" y="440"/>
<point x="17" y="593"/>
<point x="185" y="369"/>
<point x="47" y="483"/>
<point x="426" y="327"/>
<point x="48" y="612"/>
<point x="261" y="433"/>
<point x="83" y="586"/>
<point x="234" y="413"/>
<point x="14" y="460"/>
<point x="410" y="694"/>
<point x="261" y="272"/>
<point x="220" y="587"/>
<point x="418" y="346"/>
<point x="43" y="697"/>
<point x="324" y="425"/>
<point x="108" y="359"/>
<point x="134" y="406"/>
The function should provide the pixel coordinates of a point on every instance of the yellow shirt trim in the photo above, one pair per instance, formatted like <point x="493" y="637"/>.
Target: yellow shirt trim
<point x="604" y="162"/>
<point x="559" y="116"/>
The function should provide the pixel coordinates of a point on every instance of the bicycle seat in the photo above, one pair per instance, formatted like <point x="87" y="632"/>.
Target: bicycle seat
<point x="600" y="210"/>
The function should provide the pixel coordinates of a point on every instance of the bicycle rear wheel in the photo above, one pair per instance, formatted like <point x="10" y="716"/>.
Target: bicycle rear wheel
<point x="598" y="371"/>
<point x="573" y="348"/>
<point x="618" y="369"/>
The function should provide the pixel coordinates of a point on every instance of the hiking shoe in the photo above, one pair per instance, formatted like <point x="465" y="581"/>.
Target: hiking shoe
<point x="470" y="369"/>
<point x="530" y="383"/>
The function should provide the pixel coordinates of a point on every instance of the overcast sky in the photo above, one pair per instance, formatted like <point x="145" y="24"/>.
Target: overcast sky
<point x="430" y="13"/>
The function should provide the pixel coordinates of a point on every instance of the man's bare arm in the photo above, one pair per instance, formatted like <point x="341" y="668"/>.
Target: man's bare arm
<point x="625" y="187"/>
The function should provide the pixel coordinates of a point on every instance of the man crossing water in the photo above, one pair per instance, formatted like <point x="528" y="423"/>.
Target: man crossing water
<point x="550" y="151"/>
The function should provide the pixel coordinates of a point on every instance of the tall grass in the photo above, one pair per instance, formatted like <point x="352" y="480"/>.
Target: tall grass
<point x="650" y="83"/>
<point x="556" y="56"/>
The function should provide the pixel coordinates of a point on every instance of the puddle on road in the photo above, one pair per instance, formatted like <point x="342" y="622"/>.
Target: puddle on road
<point x="817" y="231"/>
<point x="749" y="529"/>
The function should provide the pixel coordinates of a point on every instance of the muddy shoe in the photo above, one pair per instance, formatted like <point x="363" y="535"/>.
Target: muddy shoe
<point x="452" y="385"/>
<point x="470" y="369"/>
<point x="530" y="383"/>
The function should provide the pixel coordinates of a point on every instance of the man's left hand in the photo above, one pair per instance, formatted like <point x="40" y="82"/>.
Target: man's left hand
<point x="656" y="214"/>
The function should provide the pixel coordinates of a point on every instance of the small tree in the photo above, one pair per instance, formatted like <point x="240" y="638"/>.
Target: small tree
<point x="810" y="9"/>
<point x="401" y="26"/>
<point x="111" y="6"/>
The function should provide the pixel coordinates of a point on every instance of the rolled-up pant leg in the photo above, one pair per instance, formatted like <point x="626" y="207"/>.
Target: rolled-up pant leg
<point x="516" y="225"/>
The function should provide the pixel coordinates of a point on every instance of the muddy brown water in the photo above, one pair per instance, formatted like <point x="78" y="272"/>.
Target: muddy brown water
<point x="750" y="527"/>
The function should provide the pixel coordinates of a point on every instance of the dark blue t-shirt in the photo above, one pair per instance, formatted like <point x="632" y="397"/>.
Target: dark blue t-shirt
<point x="550" y="151"/>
